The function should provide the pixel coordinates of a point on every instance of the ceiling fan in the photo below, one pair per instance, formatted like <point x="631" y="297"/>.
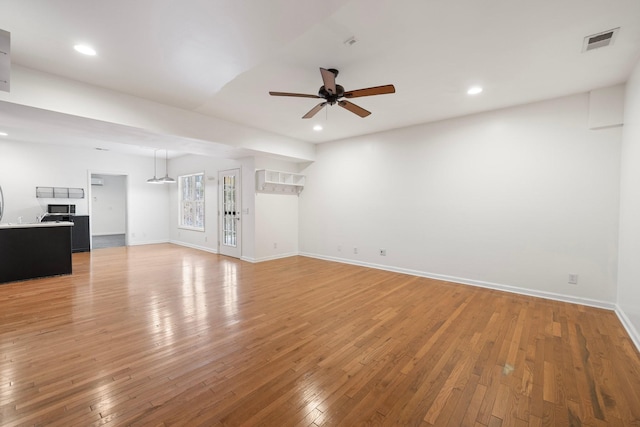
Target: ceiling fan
<point x="333" y="94"/>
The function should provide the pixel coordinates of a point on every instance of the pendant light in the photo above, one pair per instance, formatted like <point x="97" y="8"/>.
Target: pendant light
<point x="154" y="180"/>
<point x="166" y="179"/>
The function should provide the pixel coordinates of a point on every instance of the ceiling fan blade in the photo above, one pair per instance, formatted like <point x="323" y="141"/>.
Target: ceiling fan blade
<point x="377" y="90"/>
<point x="299" y="95"/>
<point x="314" y="110"/>
<point x="354" y="108"/>
<point x="329" y="80"/>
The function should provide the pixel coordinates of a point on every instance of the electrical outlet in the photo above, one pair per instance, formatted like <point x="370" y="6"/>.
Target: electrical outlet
<point x="573" y="279"/>
<point x="275" y="246"/>
<point x="206" y="239"/>
<point x="339" y="248"/>
<point x="355" y="251"/>
<point x="383" y="252"/>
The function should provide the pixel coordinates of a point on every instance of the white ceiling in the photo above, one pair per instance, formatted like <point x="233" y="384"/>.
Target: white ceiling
<point x="221" y="57"/>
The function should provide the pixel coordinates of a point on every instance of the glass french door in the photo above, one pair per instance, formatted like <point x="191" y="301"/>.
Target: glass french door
<point x="230" y="213"/>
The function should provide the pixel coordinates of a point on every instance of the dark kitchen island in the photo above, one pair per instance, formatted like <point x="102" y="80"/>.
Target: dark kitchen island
<point x="29" y="251"/>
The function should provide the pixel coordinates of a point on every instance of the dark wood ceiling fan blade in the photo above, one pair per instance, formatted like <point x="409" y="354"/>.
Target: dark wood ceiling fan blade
<point x="314" y="110"/>
<point x="299" y="95"/>
<point x="329" y="80"/>
<point x="354" y="108"/>
<point x="377" y="90"/>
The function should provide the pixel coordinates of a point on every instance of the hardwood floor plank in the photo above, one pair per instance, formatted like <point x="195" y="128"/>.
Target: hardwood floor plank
<point x="164" y="335"/>
<point x="471" y="412"/>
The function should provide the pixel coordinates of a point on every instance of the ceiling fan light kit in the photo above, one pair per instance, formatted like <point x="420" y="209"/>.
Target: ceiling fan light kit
<point x="333" y="93"/>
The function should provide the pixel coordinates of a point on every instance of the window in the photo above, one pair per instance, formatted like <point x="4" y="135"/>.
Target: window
<point x="191" y="191"/>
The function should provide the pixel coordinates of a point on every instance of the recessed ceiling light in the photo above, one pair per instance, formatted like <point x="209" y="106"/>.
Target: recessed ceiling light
<point x="4" y="134"/>
<point x="84" y="49"/>
<point x="317" y="128"/>
<point x="474" y="90"/>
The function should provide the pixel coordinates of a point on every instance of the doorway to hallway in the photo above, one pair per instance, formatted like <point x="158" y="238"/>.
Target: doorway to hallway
<point x="108" y="210"/>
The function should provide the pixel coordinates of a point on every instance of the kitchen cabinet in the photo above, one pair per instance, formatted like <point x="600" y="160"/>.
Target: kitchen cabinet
<point x="80" y="237"/>
<point x="29" y="251"/>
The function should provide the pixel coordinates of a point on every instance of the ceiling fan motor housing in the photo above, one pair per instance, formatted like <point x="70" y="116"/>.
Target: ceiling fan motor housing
<point x="331" y="98"/>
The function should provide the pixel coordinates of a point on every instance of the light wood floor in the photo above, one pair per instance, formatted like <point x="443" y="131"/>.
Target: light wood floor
<point x="165" y="335"/>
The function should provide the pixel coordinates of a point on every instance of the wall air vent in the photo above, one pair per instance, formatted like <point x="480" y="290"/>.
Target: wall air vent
<point x="599" y="40"/>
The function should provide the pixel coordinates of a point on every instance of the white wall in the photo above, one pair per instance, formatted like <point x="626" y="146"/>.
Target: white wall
<point x="629" y="266"/>
<point x="266" y="218"/>
<point x="24" y="166"/>
<point x="519" y="198"/>
<point x="152" y="209"/>
<point x="186" y="165"/>
<point x="108" y="206"/>
<point x="606" y="107"/>
<point x="276" y="222"/>
<point x="248" y="218"/>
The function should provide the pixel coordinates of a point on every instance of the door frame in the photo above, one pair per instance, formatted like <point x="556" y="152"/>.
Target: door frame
<point x="235" y="252"/>
<point x="126" y="201"/>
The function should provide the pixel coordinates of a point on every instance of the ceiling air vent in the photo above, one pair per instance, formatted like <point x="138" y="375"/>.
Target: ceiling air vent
<point x="5" y="60"/>
<point x="603" y="39"/>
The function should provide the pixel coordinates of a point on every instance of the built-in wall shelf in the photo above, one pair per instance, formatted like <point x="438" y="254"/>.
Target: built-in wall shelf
<point x="270" y="181"/>
<point x="59" y="193"/>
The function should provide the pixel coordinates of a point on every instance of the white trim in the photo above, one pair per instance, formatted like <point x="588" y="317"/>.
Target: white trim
<point x="192" y="246"/>
<point x="181" y="201"/>
<point x="127" y="202"/>
<point x="633" y="333"/>
<point x="240" y="229"/>
<point x="185" y="227"/>
<point x="274" y="257"/>
<point x="628" y="325"/>
<point x="146" y="242"/>
<point x="506" y="288"/>
<point x="110" y="233"/>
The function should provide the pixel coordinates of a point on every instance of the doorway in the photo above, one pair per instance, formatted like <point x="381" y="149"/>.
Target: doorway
<point x="230" y="212"/>
<point x="108" y="210"/>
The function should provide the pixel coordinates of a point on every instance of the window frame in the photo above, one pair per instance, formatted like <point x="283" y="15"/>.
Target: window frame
<point x="194" y="200"/>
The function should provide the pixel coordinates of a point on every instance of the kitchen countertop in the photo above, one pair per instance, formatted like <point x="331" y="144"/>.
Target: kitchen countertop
<point x="36" y="224"/>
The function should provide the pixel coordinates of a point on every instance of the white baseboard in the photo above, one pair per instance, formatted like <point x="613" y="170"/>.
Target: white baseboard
<point x="115" y="233"/>
<point x="192" y="246"/>
<point x="146" y="242"/>
<point x="496" y="286"/>
<point x="628" y="325"/>
<point x="272" y="257"/>
<point x="626" y="322"/>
